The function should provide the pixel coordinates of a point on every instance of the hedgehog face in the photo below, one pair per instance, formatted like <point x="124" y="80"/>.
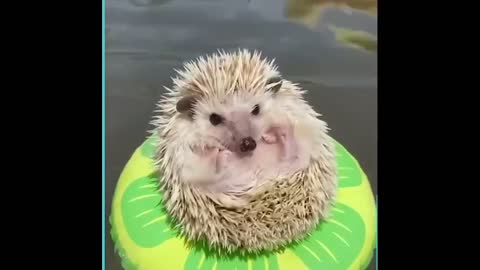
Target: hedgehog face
<point x="236" y="121"/>
<point x="236" y="127"/>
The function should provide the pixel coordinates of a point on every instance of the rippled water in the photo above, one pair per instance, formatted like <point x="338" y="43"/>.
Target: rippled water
<point x="330" y="50"/>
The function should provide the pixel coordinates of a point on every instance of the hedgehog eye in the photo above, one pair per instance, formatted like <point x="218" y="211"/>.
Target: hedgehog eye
<point x="256" y="109"/>
<point x="215" y="119"/>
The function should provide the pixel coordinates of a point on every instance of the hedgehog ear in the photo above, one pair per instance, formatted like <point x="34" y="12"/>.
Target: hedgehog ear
<point x="186" y="104"/>
<point x="274" y="84"/>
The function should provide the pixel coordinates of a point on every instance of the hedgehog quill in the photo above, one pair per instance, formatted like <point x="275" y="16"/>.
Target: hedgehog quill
<point x="246" y="163"/>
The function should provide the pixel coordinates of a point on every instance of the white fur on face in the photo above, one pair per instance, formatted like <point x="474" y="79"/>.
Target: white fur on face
<point x="238" y="120"/>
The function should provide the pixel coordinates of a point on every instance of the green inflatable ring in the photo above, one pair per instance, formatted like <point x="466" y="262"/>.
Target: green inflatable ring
<point x="145" y="240"/>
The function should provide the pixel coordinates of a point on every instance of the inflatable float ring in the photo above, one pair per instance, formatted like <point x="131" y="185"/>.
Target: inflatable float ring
<point x="146" y="240"/>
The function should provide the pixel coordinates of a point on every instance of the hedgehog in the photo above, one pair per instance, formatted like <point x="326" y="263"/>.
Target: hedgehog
<point x="246" y="163"/>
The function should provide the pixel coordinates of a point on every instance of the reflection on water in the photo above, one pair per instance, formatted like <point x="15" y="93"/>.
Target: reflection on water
<point x="356" y="39"/>
<point x="309" y="13"/>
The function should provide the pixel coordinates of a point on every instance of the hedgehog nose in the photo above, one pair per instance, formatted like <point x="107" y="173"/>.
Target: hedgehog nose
<point x="247" y="144"/>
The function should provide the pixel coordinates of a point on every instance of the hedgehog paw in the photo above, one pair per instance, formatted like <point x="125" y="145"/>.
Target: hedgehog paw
<point x="269" y="138"/>
<point x="273" y="135"/>
<point x="223" y="158"/>
<point x="288" y="145"/>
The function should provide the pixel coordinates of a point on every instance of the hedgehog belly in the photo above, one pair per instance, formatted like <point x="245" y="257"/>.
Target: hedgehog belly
<point x="242" y="172"/>
<point x="274" y="156"/>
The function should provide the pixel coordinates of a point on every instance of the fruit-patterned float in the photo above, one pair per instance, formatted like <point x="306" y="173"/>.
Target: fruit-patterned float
<point x="146" y="240"/>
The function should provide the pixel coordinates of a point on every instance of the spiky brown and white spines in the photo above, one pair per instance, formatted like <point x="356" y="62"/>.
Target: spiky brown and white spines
<point x="281" y="210"/>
